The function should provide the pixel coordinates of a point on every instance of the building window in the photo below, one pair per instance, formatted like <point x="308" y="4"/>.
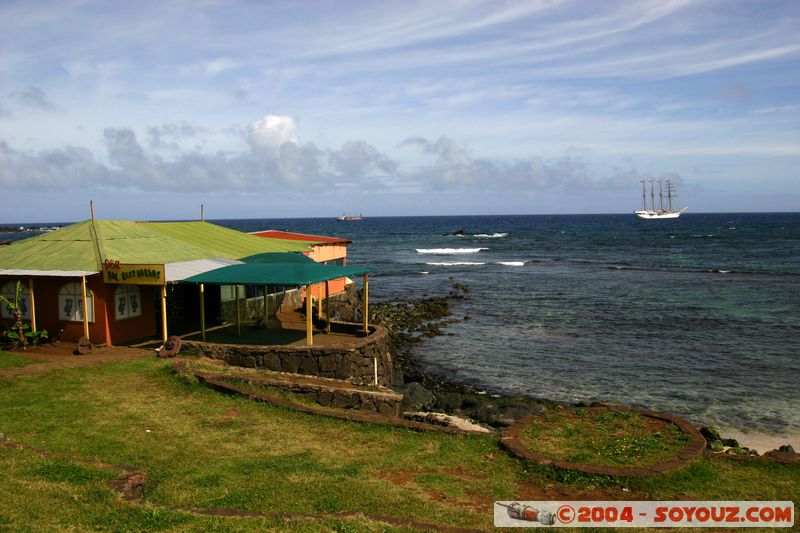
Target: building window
<point x="128" y="301"/>
<point x="228" y="292"/>
<point x="70" y="303"/>
<point x="10" y="292"/>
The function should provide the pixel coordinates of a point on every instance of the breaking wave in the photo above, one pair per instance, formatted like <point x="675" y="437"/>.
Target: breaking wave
<point x="456" y="263"/>
<point x="491" y="235"/>
<point x="512" y="263"/>
<point x="447" y="251"/>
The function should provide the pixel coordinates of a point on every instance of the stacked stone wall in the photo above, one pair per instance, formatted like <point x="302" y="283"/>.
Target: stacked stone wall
<point x="383" y="402"/>
<point x="353" y="361"/>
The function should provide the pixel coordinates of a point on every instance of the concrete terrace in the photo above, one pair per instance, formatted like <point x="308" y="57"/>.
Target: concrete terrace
<point x="291" y="332"/>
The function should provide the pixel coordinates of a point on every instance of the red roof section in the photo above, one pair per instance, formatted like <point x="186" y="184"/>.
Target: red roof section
<point x="289" y="236"/>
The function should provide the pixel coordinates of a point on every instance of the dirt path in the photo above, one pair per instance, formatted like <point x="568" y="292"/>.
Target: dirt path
<point x="60" y="355"/>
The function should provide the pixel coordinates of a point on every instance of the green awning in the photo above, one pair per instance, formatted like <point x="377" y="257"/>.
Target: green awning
<point x="270" y="257"/>
<point x="293" y="274"/>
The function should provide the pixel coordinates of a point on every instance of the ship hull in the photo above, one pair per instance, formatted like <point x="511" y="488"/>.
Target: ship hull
<point x="657" y="214"/>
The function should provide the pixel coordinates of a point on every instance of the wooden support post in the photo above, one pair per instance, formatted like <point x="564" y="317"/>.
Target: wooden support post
<point x="366" y="303"/>
<point x="85" y="308"/>
<point x="202" y="312"/>
<point x="327" y="308"/>
<point x="108" y="324"/>
<point x="319" y="303"/>
<point x="33" y="305"/>
<point x="266" y="309"/>
<point x="309" y="312"/>
<point x="164" y="314"/>
<point x="238" y="313"/>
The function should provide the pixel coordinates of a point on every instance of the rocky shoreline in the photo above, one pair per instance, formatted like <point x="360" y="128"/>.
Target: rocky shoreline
<point x="410" y="322"/>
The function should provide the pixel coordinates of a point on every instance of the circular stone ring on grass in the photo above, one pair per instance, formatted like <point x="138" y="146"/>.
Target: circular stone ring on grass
<point x="616" y="441"/>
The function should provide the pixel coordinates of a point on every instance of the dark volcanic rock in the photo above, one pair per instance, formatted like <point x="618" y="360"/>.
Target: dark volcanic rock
<point x="416" y="397"/>
<point x="450" y="402"/>
<point x="710" y="434"/>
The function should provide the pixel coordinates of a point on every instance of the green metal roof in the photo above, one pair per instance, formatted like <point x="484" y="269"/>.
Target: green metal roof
<point x="224" y="242"/>
<point x="275" y="274"/>
<point x="85" y="245"/>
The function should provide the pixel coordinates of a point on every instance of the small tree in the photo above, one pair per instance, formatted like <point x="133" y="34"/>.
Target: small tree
<point x="16" y="311"/>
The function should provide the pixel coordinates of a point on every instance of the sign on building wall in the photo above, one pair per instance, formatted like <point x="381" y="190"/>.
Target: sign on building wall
<point x="133" y="274"/>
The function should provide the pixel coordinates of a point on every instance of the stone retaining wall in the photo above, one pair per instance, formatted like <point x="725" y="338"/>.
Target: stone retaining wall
<point x="343" y="414"/>
<point x="352" y="361"/>
<point x="383" y="402"/>
<point x="511" y="441"/>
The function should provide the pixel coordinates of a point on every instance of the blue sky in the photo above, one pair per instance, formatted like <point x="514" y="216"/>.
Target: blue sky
<point x="314" y="108"/>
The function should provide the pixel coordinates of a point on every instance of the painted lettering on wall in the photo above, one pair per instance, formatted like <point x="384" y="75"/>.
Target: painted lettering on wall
<point x="133" y="274"/>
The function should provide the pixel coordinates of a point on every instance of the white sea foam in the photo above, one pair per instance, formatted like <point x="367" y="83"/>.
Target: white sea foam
<point x="424" y="272"/>
<point x="447" y="251"/>
<point x="491" y="235"/>
<point x="456" y="263"/>
<point x="512" y="263"/>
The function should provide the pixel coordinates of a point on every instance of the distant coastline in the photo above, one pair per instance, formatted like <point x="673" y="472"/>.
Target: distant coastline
<point x="22" y="228"/>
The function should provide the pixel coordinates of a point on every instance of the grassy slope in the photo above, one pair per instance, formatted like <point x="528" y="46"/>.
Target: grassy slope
<point x="204" y="449"/>
<point x="12" y="360"/>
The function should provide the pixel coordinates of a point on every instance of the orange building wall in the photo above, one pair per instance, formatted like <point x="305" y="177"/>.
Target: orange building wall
<point x="130" y="329"/>
<point x="335" y="286"/>
<point x="320" y="253"/>
<point x="105" y="328"/>
<point x="328" y="252"/>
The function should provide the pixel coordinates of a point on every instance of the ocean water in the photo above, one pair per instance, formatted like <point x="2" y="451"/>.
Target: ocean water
<point x="698" y="316"/>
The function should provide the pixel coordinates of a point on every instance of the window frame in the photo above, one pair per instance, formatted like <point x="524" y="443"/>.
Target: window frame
<point x="63" y="295"/>
<point x="126" y="291"/>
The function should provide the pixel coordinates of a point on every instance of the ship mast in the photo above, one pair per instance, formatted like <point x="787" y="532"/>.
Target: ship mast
<point x="669" y="194"/>
<point x="652" y="197"/>
<point x="660" y="197"/>
<point x="644" y="195"/>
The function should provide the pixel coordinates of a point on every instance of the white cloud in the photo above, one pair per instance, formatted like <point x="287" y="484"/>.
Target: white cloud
<point x="495" y="91"/>
<point x="51" y="169"/>
<point x="33" y="97"/>
<point x="454" y="168"/>
<point x="267" y="135"/>
<point x="217" y="66"/>
<point x="168" y="136"/>
<point x="792" y="108"/>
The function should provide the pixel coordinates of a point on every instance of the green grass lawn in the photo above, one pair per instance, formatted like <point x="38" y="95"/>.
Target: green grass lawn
<point x="13" y="360"/>
<point x="603" y="437"/>
<point x="203" y="449"/>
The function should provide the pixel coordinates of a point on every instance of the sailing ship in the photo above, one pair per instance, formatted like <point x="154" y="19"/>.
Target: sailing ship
<point x="660" y="212"/>
<point x="350" y="217"/>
